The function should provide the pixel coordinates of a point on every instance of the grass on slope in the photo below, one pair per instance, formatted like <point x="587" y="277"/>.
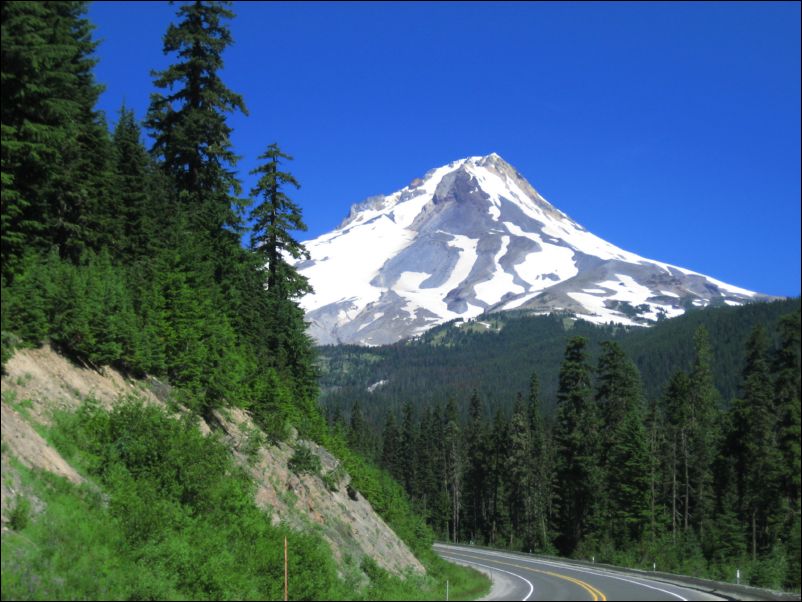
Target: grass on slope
<point x="169" y="515"/>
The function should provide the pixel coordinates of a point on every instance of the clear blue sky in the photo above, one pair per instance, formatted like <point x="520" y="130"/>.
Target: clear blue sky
<point x="669" y="129"/>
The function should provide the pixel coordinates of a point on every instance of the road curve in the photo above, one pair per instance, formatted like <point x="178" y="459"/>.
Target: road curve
<point x="522" y="577"/>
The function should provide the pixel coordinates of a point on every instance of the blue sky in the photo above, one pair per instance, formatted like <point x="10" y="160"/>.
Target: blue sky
<point x="669" y="129"/>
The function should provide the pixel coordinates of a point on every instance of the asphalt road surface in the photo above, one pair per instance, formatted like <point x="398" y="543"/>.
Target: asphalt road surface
<point x="521" y="577"/>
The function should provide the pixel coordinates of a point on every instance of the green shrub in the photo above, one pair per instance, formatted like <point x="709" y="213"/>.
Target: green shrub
<point x="333" y="478"/>
<point x="254" y="440"/>
<point x="20" y="514"/>
<point x="304" y="461"/>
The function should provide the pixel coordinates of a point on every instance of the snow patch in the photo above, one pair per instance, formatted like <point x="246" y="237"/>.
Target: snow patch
<point x="500" y="282"/>
<point x="376" y="385"/>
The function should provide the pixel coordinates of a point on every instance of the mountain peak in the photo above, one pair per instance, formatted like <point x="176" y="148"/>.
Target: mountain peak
<point x="474" y="236"/>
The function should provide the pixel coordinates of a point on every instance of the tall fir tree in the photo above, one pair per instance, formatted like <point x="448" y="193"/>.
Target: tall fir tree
<point x="498" y="440"/>
<point x="787" y="395"/>
<point x="390" y="449"/>
<point x="408" y="444"/>
<point x="762" y="461"/>
<point x="55" y="169"/>
<point x="576" y="435"/>
<point x="703" y="432"/>
<point x="656" y="441"/>
<point x="274" y="220"/>
<point x="624" y="448"/>
<point x="542" y="467"/>
<point x="358" y="433"/>
<point x="453" y="466"/>
<point x="521" y="478"/>
<point x="191" y="136"/>
<point x="475" y="469"/>
<point x="432" y="499"/>
<point x="140" y="204"/>
<point x="788" y="400"/>
<point x="677" y="456"/>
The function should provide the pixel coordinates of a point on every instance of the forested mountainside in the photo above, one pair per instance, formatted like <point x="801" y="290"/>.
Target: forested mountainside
<point x="126" y="257"/>
<point x="496" y="354"/>
<point x="684" y="476"/>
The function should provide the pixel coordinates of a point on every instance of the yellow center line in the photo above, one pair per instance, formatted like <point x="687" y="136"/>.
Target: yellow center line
<point x="596" y="594"/>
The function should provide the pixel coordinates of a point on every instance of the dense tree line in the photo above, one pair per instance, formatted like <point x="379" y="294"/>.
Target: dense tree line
<point x="127" y="256"/>
<point x="456" y="359"/>
<point x="680" y="479"/>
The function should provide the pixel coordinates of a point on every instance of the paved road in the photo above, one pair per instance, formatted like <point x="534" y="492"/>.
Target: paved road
<point x="521" y="577"/>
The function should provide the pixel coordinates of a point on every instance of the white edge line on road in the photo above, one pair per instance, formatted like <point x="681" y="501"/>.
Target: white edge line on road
<point x="598" y="572"/>
<point x="492" y="568"/>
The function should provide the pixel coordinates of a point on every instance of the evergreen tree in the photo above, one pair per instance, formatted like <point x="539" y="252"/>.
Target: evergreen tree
<point x="542" y="467"/>
<point x="521" y="477"/>
<point x="358" y="430"/>
<point x="453" y="465"/>
<point x="625" y="461"/>
<point x="618" y="388"/>
<point x="391" y="448"/>
<point x="274" y="220"/>
<point x="408" y="444"/>
<point x="54" y="143"/>
<point x="475" y="470"/>
<point x="432" y="499"/>
<point x="762" y="460"/>
<point x="727" y="529"/>
<point x="787" y="395"/>
<point x="140" y="216"/>
<point x="657" y="445"/>
<point x="787" y="399"/>
<point x="578" y="477"/>
<point x="703" y="433"/>
<point x="677" y="413"/>
<point x="497" y="483"/>
<point x="536" y="425"/>
<point x="191" y="136"/>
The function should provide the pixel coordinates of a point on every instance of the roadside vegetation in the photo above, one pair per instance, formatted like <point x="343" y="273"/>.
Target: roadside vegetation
<point x="167" y="514"/>
<point x="133" y="257"/>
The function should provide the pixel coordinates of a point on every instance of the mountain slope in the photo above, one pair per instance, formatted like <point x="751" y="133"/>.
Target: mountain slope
<point x="496" y="358"/>
<point x="475" y="236"/>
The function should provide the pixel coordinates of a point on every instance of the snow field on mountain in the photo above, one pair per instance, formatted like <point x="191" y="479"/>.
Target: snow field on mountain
<point x="492" y="242"/>
<point x="345" y="265"/>
<point x="500" y="283"/>
<point x="550" y="260"/>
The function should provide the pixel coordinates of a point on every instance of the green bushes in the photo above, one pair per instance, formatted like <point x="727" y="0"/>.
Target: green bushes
<point x="304" y="461"/>
<point x="20" y="514"/>
<point x="176" y="520"/>
<point x="171" y="516"/>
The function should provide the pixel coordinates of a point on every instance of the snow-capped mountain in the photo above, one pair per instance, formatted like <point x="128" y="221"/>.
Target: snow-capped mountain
<point x="474" y="236"/>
